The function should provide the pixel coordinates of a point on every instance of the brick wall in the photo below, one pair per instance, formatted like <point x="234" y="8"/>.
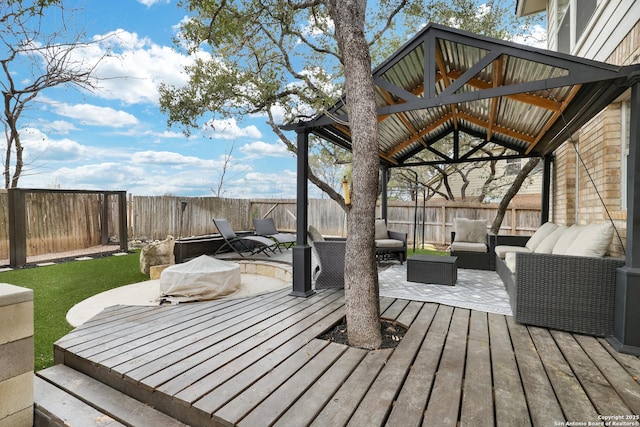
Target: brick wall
<point x="16" y="356"/>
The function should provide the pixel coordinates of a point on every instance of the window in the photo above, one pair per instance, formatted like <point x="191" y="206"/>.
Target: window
<point x="584" y="12"/>
<point x="573" y="17"/>
<point x="564" y="26"/>
<point x="625" y="129"/>
<point x="513" y="167"/>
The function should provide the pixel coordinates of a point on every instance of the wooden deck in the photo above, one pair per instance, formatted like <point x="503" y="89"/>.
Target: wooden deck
<point x="256" y="361"/>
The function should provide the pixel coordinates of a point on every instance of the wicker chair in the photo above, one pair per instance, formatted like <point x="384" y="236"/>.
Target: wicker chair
<point x="390" y="244"/>
<point x="470" y="244"/>
<point x="329" y="273"/>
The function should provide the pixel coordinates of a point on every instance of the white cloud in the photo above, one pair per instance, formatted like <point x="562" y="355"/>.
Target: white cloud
<point x="260" y="149"/>
<point x="131" y="67"/>
<point x="150" y="3"/>
<point x="60" y="127"/>
<point x="229" y="129"/>
<point x="38" y="147"/>
<point x="536" y="38"/>
<point x="318" y="25"/>
<point x="96" y="116"/>
<point x="264" y="185"/>
<point x="168" y="158"/>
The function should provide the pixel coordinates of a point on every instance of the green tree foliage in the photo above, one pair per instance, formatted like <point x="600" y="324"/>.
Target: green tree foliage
<point x="280" y="58"/>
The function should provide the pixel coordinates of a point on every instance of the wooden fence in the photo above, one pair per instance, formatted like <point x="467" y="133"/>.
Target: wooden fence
<point x="157" y="217"/>
<point x="59" y="221"/>
<point x="54" y="221"/>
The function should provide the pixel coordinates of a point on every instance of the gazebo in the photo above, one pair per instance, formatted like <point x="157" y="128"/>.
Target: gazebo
<point x="446" y="81"/>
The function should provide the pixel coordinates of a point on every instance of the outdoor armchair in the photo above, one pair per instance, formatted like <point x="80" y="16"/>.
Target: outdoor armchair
<point x="470" y="244"/>
<point x="390" y="244"/>
<point x="266" y="227"/>
<point x="239" y="244"/>
<point x="329" y="254"/>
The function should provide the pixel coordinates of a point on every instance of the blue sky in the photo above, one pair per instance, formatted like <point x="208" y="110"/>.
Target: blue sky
<point x="116" y="138"/>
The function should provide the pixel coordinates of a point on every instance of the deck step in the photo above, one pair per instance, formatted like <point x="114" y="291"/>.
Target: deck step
<point x="64" y="394"/>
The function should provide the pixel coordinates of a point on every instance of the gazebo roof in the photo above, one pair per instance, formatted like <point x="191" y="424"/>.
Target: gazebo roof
<point x="444" y="81"/>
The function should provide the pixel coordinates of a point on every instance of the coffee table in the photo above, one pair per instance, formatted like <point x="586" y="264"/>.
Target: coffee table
<point x="442" y="270"/>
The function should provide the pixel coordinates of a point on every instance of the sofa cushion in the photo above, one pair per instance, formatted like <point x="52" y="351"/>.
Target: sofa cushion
<point x="560" y="248"/>
<point x="540" y="234"/>
<point x="546" y="246"/>
<point x="593" y="241"/>
<point x="470" y="230"/>
<point x="315" y="235"/>
<point x="389" y="243"/>
<point x="381" y="229"/>
<point x="503" y="250"/>
<point x="510" y="261"/>
<point x="468" y="247"/>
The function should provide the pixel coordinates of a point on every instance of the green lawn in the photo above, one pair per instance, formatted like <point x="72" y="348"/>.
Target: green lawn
<point x="426" y="252"/>
<point x="59" y="287"/>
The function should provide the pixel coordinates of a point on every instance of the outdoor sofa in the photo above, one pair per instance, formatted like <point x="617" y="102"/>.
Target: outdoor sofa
<point x="560" y="278"/>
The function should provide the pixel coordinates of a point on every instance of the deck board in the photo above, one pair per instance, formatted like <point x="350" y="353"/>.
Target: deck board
<point x="258" y="361"/>
<point x="571" y="396"/>
<point x="544" y="408"/>
<point x="377" y="403"/>
<point x="445" y="401"/>
<point x="307" y="407"/>
<point x="412" y="400"/>
<point x="477" y="395"/>
<point x="599" y="390"/>
<point x="510" y="403"/>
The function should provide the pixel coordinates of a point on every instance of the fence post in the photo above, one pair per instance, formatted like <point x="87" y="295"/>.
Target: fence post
<point x="122" y="220"/>
<point x="17" y="228"/>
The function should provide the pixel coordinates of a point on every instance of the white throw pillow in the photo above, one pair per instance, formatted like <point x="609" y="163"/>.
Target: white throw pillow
<point x="470" y="230"/>
<point x="593" y="241"/>
<point x="540" y="234"/>
<point x="567" y="239"/>
<point x="381" y="230"/>
<point x="546" y="246"/>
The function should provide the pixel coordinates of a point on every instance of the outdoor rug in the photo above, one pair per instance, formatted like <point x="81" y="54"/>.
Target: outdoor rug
<point x="475" y="289"/>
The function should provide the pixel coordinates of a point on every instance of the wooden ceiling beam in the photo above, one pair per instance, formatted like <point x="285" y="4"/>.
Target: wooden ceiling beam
<point x="497" y="129"/>
<point x="536" y="101"/>
<point x="419" y="135"/>
<point x="572" y="93"/>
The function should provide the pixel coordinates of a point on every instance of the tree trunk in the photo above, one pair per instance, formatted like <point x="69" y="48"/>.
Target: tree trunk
<point x="361" y="273"/>
<point x="510" y="194"/>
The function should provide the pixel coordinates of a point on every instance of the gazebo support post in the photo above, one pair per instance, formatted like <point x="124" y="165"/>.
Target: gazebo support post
<point x="302" y="250"/>
<point x="384" y="177"/>
<point x="546" y="189"/>
<point x="626" y="338"/>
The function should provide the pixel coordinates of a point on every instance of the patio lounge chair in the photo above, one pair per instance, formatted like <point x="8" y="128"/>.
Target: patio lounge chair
<point x="266" y="227"/>
<point x="239" y="244"/>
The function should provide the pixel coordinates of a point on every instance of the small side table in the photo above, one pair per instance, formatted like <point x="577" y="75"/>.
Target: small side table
<point x="442" y="270"/>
